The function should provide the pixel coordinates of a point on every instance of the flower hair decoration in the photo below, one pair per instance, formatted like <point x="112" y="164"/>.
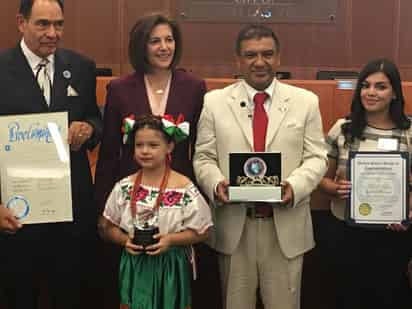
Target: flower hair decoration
<point x="177" y="129"/>
<point x="127" y="127"/>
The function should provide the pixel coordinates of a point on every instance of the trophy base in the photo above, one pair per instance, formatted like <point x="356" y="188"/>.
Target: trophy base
<point x="271" y="194"/>
<point x="145" y="238"/>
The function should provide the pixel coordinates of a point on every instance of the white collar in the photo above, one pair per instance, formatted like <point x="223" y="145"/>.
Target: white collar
<point x="252" y="91"/>
<point x="32" y="58"/>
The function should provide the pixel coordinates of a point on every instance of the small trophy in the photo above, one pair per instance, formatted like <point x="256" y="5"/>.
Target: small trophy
<point x="144" y="237"/>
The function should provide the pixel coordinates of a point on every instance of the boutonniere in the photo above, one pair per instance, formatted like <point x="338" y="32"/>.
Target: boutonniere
<point x="127" y="127"/>
<point x="178" y="129"/>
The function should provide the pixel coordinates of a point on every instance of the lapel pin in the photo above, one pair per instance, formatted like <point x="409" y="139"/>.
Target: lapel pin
<point x="67" y="74"/>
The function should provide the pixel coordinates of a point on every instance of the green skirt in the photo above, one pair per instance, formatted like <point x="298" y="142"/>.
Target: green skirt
<point x="155" y="282"/>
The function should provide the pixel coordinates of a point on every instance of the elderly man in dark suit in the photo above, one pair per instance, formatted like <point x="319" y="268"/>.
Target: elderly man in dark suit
<point x="8" y="222"/>
<point x="38" y="77"/>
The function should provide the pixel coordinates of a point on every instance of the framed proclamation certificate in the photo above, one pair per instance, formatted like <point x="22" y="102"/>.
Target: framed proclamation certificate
<point x="380" y="188"/>
<point x="35" y="167"/>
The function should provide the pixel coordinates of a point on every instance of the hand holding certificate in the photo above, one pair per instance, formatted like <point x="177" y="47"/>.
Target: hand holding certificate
<point x="35" y="167"/>
<point x="380" y="188"/>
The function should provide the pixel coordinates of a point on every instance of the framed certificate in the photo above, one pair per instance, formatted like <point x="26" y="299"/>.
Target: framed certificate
<point x="255" y="176"/>
<point x="380" y="188"/>
<point x="35" y="167"/>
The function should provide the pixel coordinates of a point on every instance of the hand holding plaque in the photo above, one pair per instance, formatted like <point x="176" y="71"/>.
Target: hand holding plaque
<point x="343" y="185"/>
<point x="144" y="237"/>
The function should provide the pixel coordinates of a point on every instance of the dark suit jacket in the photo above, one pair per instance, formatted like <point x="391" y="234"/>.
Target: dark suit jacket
<point x="20" y="94"/>
<point x="126" y="96"/>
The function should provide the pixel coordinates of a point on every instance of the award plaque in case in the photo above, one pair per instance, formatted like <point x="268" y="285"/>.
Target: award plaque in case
<point x="255" y="177"/>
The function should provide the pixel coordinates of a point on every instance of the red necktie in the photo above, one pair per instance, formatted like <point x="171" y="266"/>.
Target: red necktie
<point x="260" y="121"/>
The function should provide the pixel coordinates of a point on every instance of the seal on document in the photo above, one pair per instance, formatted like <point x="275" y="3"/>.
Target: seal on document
<point x="19" y="205"/>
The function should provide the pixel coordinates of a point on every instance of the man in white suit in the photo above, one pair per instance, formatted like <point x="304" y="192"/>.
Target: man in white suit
<point x="261" y="246"/>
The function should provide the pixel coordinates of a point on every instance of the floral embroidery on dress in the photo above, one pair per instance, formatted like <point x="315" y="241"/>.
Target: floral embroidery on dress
<point x="171" y="198"/>
<point x="176" y="199"/>
<point x="187" y="199"/>
<point x="142" y="193"/>
<point x="147" y="195"/>
<point x="126" y="191"/>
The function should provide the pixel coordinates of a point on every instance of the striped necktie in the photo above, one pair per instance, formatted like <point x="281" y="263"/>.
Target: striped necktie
<point x="43" y="79"/>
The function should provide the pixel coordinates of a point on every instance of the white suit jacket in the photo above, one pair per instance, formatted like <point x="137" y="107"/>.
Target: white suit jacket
<point x="294" y="129"/>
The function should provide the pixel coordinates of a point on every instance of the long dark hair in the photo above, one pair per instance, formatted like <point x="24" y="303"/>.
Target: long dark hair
<point x="357" y="122"/>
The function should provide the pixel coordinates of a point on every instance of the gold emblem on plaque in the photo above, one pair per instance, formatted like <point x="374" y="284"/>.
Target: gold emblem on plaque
<point x="257" y="180"/>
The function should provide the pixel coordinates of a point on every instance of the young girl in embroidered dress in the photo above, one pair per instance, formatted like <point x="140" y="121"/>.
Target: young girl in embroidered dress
<point x="155" y="276"/>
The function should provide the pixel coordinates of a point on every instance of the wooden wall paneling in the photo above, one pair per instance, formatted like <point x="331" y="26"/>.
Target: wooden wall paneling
<point x="314" y="44"/>
<point x="209" y="51"/>
<point x="92" y="28"/>
<point x="303" y="45"/>
<point x="300" y="72"/>
<point x="374" y="24"/>
<point x="325" y="90"/>
<point x="405" y="42"/>
<point x="406" y="73"/>
<point x="363" y="30"/>
<point x="101" y="85"/>
<point x="132" y="10"/>
<point x="9" y="34"/>
<point x="407" y="93"/>
<point x="342" y="104"/>
<point x="396" y="30"/>
<point x="296" y="42"/>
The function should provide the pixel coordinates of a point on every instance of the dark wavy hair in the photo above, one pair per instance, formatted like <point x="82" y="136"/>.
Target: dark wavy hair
<point x="27" y="5"/>
<point x="357" y="121"/>
<point x="147" y="122"/>
<point x="139" y="37"/>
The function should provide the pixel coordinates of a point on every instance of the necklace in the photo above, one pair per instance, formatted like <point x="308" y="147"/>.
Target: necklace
<point x="136" y="187"/>
<point x="158" y="89"/>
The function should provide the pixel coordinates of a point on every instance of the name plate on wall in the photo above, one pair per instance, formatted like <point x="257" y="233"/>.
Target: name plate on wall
<point x="250" y="11"/>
